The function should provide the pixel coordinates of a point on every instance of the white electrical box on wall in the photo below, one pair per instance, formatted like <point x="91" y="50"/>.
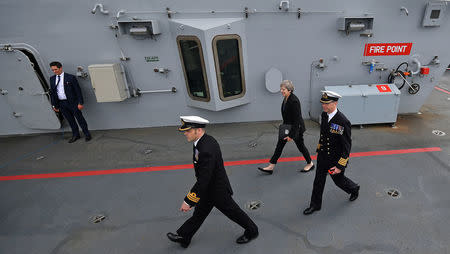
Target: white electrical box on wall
<point x="109" y="82"/>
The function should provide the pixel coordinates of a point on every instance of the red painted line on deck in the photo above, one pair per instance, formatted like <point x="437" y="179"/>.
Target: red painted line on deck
<point x="442" y="90"/>
<point x="188" y="166"/>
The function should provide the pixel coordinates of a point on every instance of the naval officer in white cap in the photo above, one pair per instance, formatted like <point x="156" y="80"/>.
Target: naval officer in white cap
<point x="212" y="188"/>
<point x="333" y="152"/>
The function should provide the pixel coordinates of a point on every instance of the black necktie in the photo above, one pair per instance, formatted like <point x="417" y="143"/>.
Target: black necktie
<point x="195" y="153"/>
<point x="57" y="83"/>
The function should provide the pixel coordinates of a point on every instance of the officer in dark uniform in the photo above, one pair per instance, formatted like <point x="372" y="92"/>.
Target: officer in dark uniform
<point x="212" y="188"/>
<point x="333" y="151"/>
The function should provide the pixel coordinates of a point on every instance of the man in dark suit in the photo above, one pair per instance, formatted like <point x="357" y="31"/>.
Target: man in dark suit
<point x="65" y="94"/>
<point x="212" y="188"/>
<point x="333" y="152"/>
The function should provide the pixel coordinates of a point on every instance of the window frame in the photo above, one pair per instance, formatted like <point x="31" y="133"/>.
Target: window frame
<point x="217" y="66"/>
<point x="202" y="60"/>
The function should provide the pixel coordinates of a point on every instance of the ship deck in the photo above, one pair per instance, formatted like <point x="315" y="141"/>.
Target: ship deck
<point x="51" y="191"/>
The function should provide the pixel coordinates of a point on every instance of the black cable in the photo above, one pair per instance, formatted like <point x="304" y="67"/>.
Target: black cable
<point x="406" y="69"/>
<point x="396" y="73"/>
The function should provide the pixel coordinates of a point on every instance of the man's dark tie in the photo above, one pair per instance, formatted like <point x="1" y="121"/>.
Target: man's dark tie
<point x="57" y="83"/>
<point x="195" y="153"/>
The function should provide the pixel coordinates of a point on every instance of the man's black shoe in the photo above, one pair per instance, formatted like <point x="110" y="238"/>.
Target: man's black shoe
<point x="178" y="239"/>
<point x="310" y="210"/>
<point x="73" y="139"/>
<point x="354" y="195"/>
<point x="87" y="138"/>
<point x="245" y="239"/>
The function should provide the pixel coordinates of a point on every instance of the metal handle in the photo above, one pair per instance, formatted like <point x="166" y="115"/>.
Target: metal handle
<point x="173" y="90"/>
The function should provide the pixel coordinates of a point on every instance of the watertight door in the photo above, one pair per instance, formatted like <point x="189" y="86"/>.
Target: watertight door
<point x="22" y="90"/>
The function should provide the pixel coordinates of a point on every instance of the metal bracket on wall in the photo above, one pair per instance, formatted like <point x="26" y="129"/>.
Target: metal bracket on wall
<point x="284" y="5"/>
<point x="120" y="13"/>
<point x="7" y="48"/>
<point x="321" y="64"/>
<point x="381" y="68"/>
<point x="102" y="10"/>
<point x="169" y="12"/>
<point x="161" y="70"/>
<point x="17" y="114"/>
<point x="81" y="73"/>
<point x="375" y="65"/>
<point x="371" y="62"/>
<point x="403" y="8"/>
<point x="435" y="61"/>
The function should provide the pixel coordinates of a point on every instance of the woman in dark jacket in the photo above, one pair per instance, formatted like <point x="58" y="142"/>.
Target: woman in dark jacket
<point x="292" y="115"/>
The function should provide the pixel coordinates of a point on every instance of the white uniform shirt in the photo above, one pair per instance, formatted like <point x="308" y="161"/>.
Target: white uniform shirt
<point x="60" y="87"/>
<point x="331" y="114"/>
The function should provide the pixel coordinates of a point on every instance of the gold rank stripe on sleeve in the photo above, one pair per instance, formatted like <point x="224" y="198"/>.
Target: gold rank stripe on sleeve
<point x="343" y="161"/>
<point x="193" y="197"/>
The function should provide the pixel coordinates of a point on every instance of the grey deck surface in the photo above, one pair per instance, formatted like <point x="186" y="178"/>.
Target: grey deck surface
<point x="53" y="215"/>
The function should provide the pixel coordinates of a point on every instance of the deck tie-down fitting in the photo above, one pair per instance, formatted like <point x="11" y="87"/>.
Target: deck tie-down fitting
<point x="98" y="218"/>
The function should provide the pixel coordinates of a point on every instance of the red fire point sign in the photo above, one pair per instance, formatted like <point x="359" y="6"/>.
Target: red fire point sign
<point x="387" y="49"/>
<point x="384" y="88"/>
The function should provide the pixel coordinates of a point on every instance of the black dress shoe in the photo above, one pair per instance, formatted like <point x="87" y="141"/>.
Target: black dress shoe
<point x="73" y="139"/>
<point x="87" y="138"/>
<point x="245" y="239"/>
<point x="266" y="171"/>
<point x="304" y="171"/>
<point x="354" y="195"/>
<point x="310" y="210"/>
<point x="178" y="239"/>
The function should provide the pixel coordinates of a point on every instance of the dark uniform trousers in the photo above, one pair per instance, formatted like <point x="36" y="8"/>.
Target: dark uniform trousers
<point x="70" y="111"/>
<point x="340" y="180"/>
<point x="212" y="189"/>
<point x="333" y="150"/>
<point x="227" y="206"/>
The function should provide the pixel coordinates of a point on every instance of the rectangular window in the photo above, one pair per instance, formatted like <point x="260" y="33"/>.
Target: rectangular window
<point x="191" y="55"/>
<point x="435" y="14"/>
<point x="229" y="67"/>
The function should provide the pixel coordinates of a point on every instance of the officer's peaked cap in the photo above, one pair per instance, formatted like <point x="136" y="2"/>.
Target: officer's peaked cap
<point x="189" y="122"/>
<point x="329" y="96"/>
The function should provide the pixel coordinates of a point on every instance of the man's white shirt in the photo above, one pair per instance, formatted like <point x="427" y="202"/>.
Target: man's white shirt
<point x="60" y="87"/>
<point x="331" y="115"/>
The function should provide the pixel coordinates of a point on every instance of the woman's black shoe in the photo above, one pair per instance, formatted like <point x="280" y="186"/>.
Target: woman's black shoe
<point x="304" y="171"/>
<point x="266" y="171"/>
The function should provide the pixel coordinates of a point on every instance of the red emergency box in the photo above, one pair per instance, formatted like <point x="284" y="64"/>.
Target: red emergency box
<point x="425" y="70"/>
